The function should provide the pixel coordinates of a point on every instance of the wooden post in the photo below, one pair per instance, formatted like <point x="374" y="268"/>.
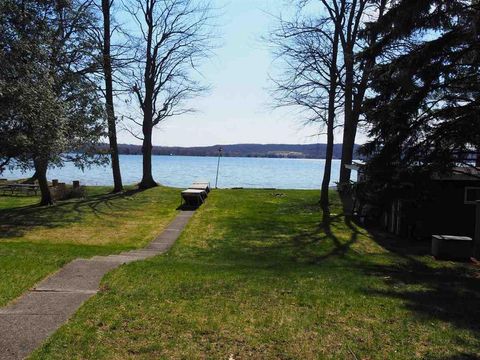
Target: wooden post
<point x="55" y="182"/>
<point x="76" y="184"/>
<point x="476" y="239"/>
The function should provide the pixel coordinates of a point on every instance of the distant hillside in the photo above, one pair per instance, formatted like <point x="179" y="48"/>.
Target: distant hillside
<point x="310" y="151"/>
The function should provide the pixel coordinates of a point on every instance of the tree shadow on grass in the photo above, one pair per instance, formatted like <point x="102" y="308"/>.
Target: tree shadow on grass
<point x="432" y="290"/>
<point x="400" y="246"/>
<point x="15" y="222"/>
<point x="269" y="241"/>
<point x="460" y="356"/>
<point x="450" y="294"/>
<point x="324" y="238"/>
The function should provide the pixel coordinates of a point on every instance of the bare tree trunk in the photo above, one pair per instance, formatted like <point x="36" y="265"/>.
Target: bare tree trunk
<point x="354" y="102"/>
<point x="174" y="37"/>
<point x="107" y="70"/>
<point x="41" y="171"/>
<point x="327" y="174"/>
<point x="332" y="92"/>
<point x="348" y="148"/>
<point x="147" y="178"/>
<point x="350" y="125"/>
<point x="148" y="103"/>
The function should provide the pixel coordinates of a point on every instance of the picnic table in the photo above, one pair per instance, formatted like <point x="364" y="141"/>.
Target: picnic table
<point x="20" y="188"/>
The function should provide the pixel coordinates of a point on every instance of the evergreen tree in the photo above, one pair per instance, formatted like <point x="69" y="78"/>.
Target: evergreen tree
<point x="424" y="114"/>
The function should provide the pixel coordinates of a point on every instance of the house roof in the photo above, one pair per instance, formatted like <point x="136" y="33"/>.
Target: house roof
<point x="355" y="165"/>
<point x="459" y="173"/>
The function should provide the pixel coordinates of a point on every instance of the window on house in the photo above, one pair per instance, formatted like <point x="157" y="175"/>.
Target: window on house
<point x="472" y="194"/>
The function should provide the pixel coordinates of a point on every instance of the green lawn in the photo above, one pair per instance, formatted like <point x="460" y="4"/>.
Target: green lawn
<point x="255" y="276"/>
<point x="36" y="241"/>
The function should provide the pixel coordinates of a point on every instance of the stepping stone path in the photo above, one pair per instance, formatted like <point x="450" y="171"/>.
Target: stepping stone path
<point x="29" y="320"/>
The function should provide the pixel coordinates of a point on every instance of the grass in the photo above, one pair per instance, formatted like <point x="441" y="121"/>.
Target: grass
<point x="36" y="241"/>
<point x="256" y="276"/>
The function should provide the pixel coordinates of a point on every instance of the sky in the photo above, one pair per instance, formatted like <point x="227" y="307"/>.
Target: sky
<point x="238" y="108"/>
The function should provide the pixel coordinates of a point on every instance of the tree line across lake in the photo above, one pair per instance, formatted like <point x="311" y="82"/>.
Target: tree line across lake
<point x="294" y="151"/>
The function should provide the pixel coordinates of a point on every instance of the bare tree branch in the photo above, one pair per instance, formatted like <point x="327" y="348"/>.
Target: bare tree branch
<point x="174" y="37"/>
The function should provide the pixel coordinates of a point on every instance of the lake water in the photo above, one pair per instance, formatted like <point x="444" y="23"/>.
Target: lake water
<point x="181" y="171"/>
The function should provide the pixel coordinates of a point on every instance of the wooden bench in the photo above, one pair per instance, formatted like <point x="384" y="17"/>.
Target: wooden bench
<point x="194" y="197"/>
<point x="19" y="188"/>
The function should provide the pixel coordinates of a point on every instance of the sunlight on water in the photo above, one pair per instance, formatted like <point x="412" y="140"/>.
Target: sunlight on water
<point x="181" y="171"/>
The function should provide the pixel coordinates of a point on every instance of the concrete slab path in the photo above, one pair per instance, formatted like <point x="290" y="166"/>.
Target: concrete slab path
<point x="32" y="318"/>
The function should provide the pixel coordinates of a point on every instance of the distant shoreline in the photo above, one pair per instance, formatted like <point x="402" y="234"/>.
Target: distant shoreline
<point x="271" y="151"/>
<point x="236" y="156"/>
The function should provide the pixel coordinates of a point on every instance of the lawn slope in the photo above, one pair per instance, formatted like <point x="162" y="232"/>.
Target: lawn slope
<point x="256" y="276"/>
<point x="36" y="241"/>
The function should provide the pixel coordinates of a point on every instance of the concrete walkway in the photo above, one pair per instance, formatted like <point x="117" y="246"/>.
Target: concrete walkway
<point x="29" y="320"/>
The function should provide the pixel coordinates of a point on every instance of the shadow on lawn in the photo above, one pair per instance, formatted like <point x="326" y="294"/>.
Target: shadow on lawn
<point x="15" y="222"/>
<point x="289" y="243"/>
<point x="324" y="237"/>
<point x="460" y="356"/>
<point x="285" y="236"/>
<point x="450" y="294"/>
<point x="434" y="291"/>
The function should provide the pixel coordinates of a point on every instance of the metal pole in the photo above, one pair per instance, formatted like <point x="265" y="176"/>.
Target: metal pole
<point x="218" y="166"/>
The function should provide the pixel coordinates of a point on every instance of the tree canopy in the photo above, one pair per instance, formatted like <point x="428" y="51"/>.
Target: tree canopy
<point x="50" y="112"/>
<point x="424" y="113"/>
